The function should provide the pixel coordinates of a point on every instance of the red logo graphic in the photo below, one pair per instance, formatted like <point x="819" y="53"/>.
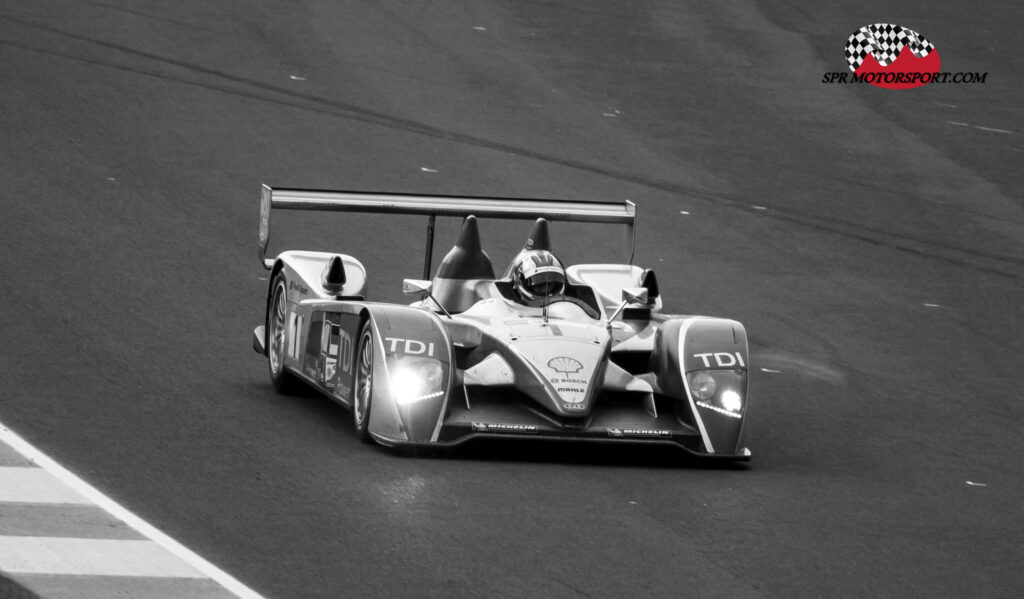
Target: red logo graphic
<point x="891" y="56"/>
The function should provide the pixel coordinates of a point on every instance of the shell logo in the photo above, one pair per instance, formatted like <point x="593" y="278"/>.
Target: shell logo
<point x="888" y="56"/>
<point x="565" y="365"/>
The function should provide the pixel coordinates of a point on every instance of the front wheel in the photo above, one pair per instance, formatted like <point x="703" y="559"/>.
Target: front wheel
<point x="363" y="397"/>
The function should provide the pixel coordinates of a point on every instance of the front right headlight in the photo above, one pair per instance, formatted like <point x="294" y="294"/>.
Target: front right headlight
<point x="702" y="385"/>
<point x="718" y="390"/>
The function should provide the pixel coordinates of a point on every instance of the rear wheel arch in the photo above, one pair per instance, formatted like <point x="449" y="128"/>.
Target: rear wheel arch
<point x="277" y="335"/>
<point x="278" y="267"/>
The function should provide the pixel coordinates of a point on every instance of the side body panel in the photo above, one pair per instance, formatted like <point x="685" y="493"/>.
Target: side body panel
<point x="715" y="346"/>
<point x="305" y="270"/>
<point x="406" y="336"/>
<point x="326" y="355"/>
<point x="323" y="335"/>
<point x="302" y="272"/>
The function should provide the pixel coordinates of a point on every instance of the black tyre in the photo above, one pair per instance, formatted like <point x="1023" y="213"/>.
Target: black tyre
<point x="277" y="336"/>
<point x="362" y="397"/>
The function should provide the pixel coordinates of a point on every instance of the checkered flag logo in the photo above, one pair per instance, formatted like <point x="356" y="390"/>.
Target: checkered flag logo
<point x="884" y="41"/>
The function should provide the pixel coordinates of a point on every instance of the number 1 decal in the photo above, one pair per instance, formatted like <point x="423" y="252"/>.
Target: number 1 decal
<point x="294" y="327"/>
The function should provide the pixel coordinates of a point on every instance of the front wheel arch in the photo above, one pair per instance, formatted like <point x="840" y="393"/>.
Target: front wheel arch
<point x="362" y="392"/>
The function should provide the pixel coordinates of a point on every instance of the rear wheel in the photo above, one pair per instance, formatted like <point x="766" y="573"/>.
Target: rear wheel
<point x="277" y="336"/>
<point x="362" y="399"/>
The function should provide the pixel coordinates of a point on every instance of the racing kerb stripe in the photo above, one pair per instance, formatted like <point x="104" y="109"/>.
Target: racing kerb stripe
<point x="686" y="385"/>
<point x="147" y="530"/>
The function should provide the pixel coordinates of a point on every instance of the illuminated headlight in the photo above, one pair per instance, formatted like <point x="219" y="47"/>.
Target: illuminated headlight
<point x="718" y="390"/>
<point x="731" y="400"/>
<point x="416" y="379"/>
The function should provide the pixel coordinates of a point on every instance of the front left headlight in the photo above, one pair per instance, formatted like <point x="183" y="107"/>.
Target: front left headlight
<point x="416" y="379"/>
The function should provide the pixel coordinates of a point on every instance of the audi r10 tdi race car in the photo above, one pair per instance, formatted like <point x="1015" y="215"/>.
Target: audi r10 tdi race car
<point x="580" y="353"/>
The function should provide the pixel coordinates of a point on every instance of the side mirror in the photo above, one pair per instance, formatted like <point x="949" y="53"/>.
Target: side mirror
<point x="635" y="295"/>
<point x="630" y="295"/>
<point x="415" y="286"/>
<point x="418" y="286"/>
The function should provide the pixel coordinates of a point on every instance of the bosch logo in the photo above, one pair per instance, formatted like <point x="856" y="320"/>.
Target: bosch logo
<point x="565" y="365"/>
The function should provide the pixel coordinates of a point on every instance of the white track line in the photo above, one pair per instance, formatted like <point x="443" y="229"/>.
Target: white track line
<point x="115" y="509"/>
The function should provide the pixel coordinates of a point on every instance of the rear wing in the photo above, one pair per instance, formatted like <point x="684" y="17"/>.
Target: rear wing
<point x="433" y="206"/>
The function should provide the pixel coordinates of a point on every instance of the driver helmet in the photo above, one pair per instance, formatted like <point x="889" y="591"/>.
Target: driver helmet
<point x="536" y="275"/>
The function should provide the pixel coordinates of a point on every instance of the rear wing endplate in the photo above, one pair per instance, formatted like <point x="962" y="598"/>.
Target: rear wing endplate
<point x="435" y="205"/>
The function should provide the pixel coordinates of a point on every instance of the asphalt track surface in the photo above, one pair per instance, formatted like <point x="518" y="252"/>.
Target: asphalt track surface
<point x="872" y="242"/>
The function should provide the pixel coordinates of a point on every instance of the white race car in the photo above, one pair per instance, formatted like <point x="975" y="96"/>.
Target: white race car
<point x="577" y="353"/>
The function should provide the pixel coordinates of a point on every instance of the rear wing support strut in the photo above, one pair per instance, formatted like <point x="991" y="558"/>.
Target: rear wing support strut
<point x="434" y="205"/>
<point x="428" y="254"/>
